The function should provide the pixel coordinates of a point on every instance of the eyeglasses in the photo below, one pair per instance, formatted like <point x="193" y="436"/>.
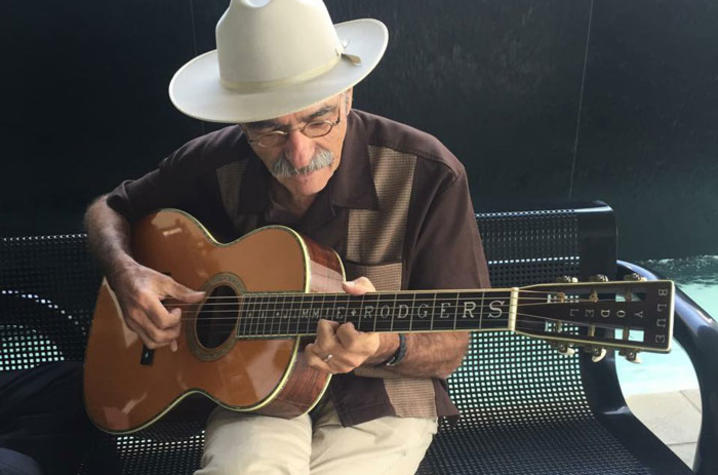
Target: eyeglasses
<point x="313" y="130"/>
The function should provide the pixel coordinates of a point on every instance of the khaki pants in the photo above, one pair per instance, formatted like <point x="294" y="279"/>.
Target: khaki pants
<point x="246" y="444"/>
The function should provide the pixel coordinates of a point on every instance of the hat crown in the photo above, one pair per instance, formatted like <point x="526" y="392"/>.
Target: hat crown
<point x="266" y="42"/>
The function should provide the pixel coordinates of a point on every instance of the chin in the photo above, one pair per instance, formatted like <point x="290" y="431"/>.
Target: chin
<point x="309" y="185"/>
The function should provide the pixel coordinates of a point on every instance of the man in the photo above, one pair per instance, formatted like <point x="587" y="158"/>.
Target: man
<point x="392" y="201"/>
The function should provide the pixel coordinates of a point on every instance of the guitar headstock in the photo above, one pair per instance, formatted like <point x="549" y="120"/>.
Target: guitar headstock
<point x="630" y="316"/>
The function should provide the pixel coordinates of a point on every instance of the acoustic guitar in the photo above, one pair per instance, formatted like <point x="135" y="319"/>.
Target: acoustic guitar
<point x="242" y="346"/>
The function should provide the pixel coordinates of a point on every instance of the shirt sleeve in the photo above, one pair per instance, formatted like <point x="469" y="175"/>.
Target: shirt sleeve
<point x="448" y="253"/>
<point x="175" y="183"/>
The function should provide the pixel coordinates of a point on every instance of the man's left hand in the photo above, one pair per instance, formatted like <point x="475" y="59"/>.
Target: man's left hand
<point x="341" y="348"/>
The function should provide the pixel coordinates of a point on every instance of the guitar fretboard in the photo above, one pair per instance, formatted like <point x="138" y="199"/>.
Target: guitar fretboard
<point x="293" y="314"/>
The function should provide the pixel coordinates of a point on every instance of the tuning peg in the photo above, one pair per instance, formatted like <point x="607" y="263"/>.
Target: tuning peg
<point x="597" y="354"/>
<point x="567" y="279"/>
<point x="565" y="350"/>
<point x="598" y="278"/>
<point x="630" y="355"/>
<point x="633" y="277"/>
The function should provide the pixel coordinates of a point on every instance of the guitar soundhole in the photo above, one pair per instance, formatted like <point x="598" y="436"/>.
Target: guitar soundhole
<point x="217" y="318"/>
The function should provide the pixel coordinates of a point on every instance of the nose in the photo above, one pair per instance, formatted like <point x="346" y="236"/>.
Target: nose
<point x="299" y="149"/>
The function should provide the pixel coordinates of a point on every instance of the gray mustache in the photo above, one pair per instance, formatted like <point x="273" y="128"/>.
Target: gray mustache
<point x="282" y="168"/>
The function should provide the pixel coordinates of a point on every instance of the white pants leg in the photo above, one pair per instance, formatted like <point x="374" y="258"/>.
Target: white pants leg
<point x="388" y="445"/>
<point x="247" y="444"/>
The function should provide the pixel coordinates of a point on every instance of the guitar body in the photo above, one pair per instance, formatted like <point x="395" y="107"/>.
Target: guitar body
<point x="128" y="387"/>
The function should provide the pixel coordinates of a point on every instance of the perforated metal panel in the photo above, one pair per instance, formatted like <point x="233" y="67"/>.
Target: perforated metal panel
<point x="48" y="287"/>
<point x="524" y="411"/>
<point x="529" y="247"/>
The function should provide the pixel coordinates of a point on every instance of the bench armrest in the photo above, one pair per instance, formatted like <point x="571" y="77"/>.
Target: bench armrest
<point x="697" y="332"/>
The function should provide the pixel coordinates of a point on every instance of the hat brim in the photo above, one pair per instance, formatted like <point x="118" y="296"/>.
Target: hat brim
<point x="196" y="89"/>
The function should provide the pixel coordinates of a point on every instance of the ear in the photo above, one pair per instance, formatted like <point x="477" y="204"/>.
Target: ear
<point x="348" y="98"/>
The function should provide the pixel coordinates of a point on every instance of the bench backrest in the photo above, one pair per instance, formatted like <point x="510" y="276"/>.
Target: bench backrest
<point x="48" y="287"/>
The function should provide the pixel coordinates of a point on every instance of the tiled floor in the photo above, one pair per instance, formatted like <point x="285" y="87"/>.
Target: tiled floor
<point x="675" y="417"/>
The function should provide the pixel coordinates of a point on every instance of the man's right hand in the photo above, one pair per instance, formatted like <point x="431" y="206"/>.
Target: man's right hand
<point x="140" y="292"/>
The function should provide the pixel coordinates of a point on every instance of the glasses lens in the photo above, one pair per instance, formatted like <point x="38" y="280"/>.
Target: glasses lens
<point x="271" y="140"/>
<point x="317" y="129"/>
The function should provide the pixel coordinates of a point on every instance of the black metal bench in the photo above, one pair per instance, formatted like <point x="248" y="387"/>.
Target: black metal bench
<point x="526" y="409"/>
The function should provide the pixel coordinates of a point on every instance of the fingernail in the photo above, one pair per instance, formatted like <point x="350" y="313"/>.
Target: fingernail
<point x="173" y="345"/>
<point x="349" y="283"/>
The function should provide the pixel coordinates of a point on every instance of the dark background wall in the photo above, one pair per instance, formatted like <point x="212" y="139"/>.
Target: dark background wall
<point x="543" y="100"/>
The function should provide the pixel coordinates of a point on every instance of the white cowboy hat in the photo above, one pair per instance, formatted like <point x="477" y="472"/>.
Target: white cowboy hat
<point x="276" y="57"/>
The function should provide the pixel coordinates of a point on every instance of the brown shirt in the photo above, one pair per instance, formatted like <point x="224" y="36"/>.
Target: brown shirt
<point x="397" y="209"/>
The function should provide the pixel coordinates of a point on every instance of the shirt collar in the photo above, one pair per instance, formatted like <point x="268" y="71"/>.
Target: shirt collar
<point x="352" y="185"/>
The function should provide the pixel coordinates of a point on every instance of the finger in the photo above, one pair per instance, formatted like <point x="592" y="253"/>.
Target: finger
<point x="358" y="286"/>
<point x="316" y="359"/>
<point x="160" y="317"/>
<point x="174" y="331"/>
<point x="159" y="326"/>
<point x="184" y="294"/>
<point x="326" y="340"/>
<point x="133" y="325"/>
<point x="347" y="335"/>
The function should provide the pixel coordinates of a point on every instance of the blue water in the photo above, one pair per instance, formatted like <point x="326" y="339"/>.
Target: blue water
<point x="697" y="277"/>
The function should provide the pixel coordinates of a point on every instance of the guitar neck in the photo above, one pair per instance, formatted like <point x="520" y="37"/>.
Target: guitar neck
<point x="297" y="314"/>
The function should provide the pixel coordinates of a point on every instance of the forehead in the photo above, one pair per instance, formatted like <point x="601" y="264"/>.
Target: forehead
<point x="310" y="113"/>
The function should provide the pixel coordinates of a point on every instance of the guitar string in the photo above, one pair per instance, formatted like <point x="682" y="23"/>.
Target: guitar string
<point x="408" y="293"/>
<point x="260" y="309"/>
<point x="351" y="299"/>
<point x="272" y="306"/>
<point x="306" y="296"/>
<point x="244" y="304"/>
<point x="296" y="319"/>
<point x="312" y="331"/>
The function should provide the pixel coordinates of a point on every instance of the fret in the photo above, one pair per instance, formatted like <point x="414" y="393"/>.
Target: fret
<point x="281" y="313"/>
<point x="304" y="306"/>
<point x="257" y="316"/>
<point x="261" y="312"/>
<point x="394" y="322"/>
<point x="291" y="305"/>
<point x="444" y="311"/>
<point x="249" y="318"/>
<point x="354" y="310"/>
<point x="340" y="309"/>
<point x="456" y="305"/>
<point x="323" y="312"/>
<point x="256" y="319"/>
<point x="384" y="311"/>
<point x="295" y="313"/>
<point x="412" y="312"/>
<point x="328" y="309"/>
<point x="433" y="310"/>
<point x="402" y="310"/>
<point x="273" y="313"/>
<point x="421" y="320"/>
<point x="470" y="310"/>
<point x="241" y="328"/>
<point x="380" y="312"/>
<point x="313" y="310"/>
<point x="481" y="309"/>
<point x="331" y="309"/>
